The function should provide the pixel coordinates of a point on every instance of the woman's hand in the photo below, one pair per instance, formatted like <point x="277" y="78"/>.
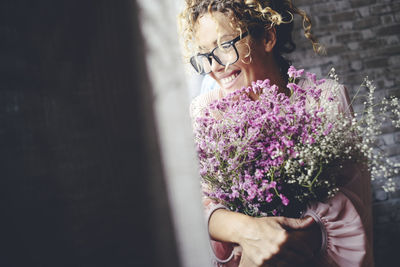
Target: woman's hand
<point x="268" y="240"/>
<point x="278" y="241"/>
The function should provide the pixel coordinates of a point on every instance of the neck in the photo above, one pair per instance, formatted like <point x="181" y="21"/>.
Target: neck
<point x="275" y="76"/>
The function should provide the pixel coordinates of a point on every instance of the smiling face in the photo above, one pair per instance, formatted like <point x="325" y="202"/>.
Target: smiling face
<point x="259" y="64"/>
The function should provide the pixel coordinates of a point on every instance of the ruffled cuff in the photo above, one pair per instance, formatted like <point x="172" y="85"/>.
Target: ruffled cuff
<point x="343" y="235"/>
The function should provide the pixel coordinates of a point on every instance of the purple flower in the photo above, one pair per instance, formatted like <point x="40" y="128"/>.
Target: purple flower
<point x="269" y="197"/>
<point x="293" y="73"/>
<point x="235" y="194"/>
<point x="328" y="129"/>
<point x="285" y="200"/>
<point x="319" y="82"/>
<point x="252" y="192"/>
<point x="272" y="185"/>
<point x="293" y="87"/>
<point x="259" y="174"/>
<point x="312" y="77"/>
<point x="248" y="149"/>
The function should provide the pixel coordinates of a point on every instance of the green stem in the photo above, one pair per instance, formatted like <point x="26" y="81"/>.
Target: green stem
<point x="315" y="178"/>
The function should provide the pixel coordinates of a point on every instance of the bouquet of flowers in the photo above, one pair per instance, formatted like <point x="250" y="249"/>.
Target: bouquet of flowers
<point x="275" y="154"/>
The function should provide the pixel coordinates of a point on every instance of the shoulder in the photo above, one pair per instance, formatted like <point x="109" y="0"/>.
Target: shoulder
<point x="331" y="90"/>
<point x="329" y="85"/>
<point x="199" y="103"/>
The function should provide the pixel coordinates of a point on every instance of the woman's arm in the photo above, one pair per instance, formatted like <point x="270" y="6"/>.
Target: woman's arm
<point x="267" y="239"/>
<point x="346" y="221"/>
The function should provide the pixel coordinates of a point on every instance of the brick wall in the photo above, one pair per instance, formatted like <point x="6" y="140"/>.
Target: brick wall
<point x="362" y="38"/>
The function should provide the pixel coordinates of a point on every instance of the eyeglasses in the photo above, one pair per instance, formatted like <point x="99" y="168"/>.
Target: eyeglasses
<point x="225" y="54"/>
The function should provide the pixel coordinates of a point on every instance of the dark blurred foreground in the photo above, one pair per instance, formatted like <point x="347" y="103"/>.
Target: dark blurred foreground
<point x="81" y="180"/>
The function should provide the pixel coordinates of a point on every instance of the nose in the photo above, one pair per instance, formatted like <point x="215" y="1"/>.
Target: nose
<point x="215" y="66"/>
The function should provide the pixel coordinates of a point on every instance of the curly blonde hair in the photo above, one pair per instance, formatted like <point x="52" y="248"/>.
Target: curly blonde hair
<point x="254" y="16"/>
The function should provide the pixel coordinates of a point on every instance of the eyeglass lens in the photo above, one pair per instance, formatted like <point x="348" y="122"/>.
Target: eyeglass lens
<point x="225" y="55"/>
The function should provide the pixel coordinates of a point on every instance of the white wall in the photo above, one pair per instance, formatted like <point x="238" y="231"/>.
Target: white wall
<point x="171" y="102"/>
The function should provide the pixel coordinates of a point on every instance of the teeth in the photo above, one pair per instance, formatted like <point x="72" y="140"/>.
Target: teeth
<point x="229" y="79"/>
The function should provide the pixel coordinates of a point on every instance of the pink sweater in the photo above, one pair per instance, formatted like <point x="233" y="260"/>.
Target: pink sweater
<point x="345" y="219"/>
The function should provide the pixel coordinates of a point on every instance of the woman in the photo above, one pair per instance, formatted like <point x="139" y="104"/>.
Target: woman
<point x="237" y="42"/>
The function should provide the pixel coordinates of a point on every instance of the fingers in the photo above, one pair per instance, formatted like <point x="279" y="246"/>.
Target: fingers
<point x="290" y="254"/>
<point x="280" y="242"/>
<point x="283" y="264"/>
<point x="245" y="261"/>
<point x="293" y="252"/>
<point x="296" y="253"/>
<point x="284" y="259"/>
<point x="296" y="246"/>
<point x="297" y="224"/>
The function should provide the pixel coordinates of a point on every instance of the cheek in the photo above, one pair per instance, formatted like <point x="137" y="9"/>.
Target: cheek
<point x="244" y="51"/>
<point x="246" y="64"/>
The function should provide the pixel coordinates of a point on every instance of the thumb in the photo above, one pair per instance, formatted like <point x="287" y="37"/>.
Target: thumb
<point x="297" y="224"/>
<point x="245" y="261"/>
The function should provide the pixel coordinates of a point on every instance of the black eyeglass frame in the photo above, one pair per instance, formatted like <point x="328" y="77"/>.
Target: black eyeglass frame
<point x="211" y="54"/>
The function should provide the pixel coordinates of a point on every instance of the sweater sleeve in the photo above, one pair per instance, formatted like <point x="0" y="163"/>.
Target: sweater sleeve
<point x="344" y="239"/>
<point x="201" y="102"/>
<point x="223" y="251"/>
<point x="346" y="219"/>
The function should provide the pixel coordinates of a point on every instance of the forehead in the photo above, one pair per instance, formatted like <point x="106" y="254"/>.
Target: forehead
<point x="213" y="27"/>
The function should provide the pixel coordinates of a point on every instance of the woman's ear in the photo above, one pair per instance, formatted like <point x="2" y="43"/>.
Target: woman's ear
<point x="270" y="39"/>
